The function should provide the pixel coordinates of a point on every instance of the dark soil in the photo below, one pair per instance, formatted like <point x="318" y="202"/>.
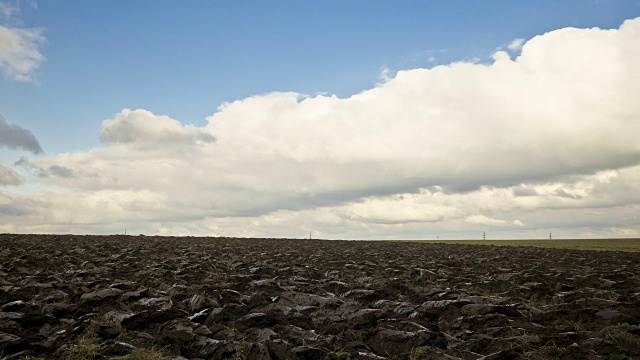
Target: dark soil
<point x="218" y="298"/>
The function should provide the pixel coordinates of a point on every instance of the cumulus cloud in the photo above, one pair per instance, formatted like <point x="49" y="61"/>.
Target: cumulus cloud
<point x="141" y="127"/>
<point x="19" y="52"/>
<point x="511" y="144"/>
<point x="544" y="114"/>
<point x="15" y="137"/>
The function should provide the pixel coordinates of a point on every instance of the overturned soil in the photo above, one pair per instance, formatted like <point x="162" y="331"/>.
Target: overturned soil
<point x="219" y="298"/>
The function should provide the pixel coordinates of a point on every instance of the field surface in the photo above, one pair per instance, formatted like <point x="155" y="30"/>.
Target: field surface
<point x="125" y="297"/>
<point x="632" y="245"/>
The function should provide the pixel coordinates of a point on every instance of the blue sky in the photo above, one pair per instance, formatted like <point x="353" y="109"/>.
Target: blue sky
<point x="119" y="83"/>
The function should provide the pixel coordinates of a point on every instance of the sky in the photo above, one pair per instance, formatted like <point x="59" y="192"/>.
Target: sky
<point x="346" y="119"/>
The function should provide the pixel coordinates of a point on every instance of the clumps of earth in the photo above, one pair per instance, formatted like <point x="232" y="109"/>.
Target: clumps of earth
<point x="125" y="297"/>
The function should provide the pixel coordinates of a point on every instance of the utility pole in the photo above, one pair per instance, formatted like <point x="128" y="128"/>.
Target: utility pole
<point x="484" y="235"/>
<point x="549" y="236"/>
<point x="309" y="235"/>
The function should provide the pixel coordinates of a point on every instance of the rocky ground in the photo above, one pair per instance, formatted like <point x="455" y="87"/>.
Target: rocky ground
<point x="77" y="297"/>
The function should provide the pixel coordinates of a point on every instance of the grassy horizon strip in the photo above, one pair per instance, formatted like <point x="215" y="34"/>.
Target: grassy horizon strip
<point x="628" y="245"/>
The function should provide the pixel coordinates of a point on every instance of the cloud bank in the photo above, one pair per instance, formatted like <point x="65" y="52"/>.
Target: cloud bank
<point x="547" y="139"/>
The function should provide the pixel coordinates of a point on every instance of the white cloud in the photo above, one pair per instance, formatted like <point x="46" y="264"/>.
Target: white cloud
<point x="516" y="44"/>
<point x="545" y="140"/>
<point x="397" y="210"/>
<point x="19" y="52"/>
<point x="485" y="220"/>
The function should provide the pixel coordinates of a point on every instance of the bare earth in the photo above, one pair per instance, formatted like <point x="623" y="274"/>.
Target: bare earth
<point x="219" y="298"/>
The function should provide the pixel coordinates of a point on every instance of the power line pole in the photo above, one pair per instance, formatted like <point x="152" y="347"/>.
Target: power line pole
<point x="549" y="236"/>
<point x="484" y="235"/>
<point x="309" y="235"/>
